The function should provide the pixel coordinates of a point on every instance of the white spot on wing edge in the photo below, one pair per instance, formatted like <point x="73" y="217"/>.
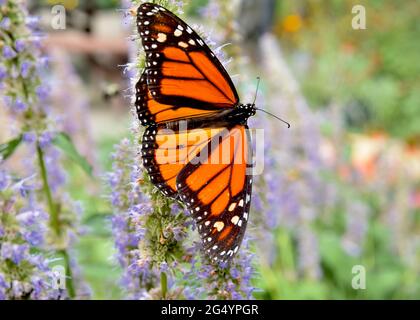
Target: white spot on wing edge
<point x="161" y="37"/>
<point x="235" y="220"/>
<point x="219" y="225"/>
<point x="183" y="44"/>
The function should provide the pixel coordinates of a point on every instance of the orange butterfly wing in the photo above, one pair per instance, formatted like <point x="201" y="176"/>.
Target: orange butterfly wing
<point x="182" y="76"/>
<point x="166" y="151"/>
<point x="217" y="191"/>
<point x="149" y="111"/>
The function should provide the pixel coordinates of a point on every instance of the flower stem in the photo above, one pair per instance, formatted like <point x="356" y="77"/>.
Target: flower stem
<point x="164" y="284"/>
<point x="54" y="220"/>
<point x="69" y="276"/>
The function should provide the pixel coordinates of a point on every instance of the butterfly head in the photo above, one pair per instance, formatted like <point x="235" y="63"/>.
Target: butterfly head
<point x="248" y="110"/>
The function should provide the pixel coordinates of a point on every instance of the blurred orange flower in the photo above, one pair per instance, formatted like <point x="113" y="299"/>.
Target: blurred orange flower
<point x="292" y="23"/>
<point x="366" y="150"/>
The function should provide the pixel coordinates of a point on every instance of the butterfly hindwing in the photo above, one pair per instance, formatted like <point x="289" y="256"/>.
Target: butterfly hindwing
<point x="183" y="76"/>
<point x="143" y="101"/>
<point x="218" y="191"/>
<point x="166" y="151"/>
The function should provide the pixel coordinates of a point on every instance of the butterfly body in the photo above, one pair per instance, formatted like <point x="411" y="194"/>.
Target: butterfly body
<point x="238" y="115"/>
<point x="196" y="147"/>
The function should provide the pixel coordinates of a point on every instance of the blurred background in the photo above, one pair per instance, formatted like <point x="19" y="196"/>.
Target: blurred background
<point x="340" y="188"/>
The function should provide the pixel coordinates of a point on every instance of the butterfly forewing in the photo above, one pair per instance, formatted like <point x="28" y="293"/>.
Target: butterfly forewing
<point x="181" y="71"/>
<point x="150" y="111"/>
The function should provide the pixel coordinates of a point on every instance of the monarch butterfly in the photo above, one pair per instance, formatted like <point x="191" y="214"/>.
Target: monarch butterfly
<point x="191" y="111"/>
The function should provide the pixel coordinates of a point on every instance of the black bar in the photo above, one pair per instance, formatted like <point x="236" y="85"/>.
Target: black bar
<point x="189" y="309"/>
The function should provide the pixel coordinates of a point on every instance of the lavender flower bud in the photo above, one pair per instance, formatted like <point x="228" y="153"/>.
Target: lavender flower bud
<point x="25" y="68"/>
<point x="5" y="22"/>
<point x="8" y="52"/>
<point x="19" y="45"/>
<point x="3" y="73"/>
<point x="29" y="137"/>
<point x="42" y="92"/>
<point x="20" y="106"/>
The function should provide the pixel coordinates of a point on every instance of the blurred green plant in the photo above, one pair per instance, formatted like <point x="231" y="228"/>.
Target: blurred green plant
<point x="372" y="73"/>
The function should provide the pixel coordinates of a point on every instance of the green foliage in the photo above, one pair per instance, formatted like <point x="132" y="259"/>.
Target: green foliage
<point x="65" y="143"/>
<point x="7" y="148"/>
<point x="387" y="277"/>
<point x="373" y="71"/>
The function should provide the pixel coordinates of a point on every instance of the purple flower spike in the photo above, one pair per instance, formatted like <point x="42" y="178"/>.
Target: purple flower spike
<point x="24" y="87"/>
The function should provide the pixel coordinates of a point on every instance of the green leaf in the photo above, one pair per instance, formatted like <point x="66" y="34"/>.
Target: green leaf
<point x="64" y="142"/>
<point x="7" y="149"/>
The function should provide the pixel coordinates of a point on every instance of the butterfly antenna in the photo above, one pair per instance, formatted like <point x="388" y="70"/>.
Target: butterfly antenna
<point x="256" y="90"/>
<point x="269" y="113"/>
<point x="278" y="118"/>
